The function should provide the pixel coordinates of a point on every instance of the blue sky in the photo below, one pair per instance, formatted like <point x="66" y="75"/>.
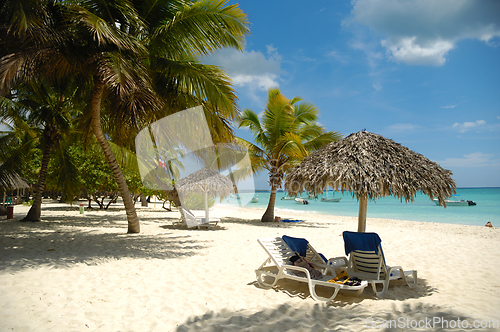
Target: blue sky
<point x="423" y="73"/>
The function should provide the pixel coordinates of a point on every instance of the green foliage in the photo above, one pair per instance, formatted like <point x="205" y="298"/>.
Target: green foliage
<point x="95" y="172"/>
<point x="286" y="133"/>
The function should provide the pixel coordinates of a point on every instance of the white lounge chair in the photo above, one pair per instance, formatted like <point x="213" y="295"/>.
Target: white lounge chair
<point x="278" y="266"/>
<point x="367" y="261"/>
<point x="191" y="221"/>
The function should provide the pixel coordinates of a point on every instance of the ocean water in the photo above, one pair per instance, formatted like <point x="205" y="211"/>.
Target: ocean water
<point x="422" y="209"/>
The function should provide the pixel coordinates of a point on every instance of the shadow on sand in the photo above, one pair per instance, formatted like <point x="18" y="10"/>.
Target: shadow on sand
<point x="322" y="317"/>
<point x="59" y="242"/>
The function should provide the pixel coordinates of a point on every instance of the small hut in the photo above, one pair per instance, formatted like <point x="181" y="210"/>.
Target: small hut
<point x="9" y="182"/>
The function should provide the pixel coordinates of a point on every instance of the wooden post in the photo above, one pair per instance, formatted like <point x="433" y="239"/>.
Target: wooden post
<point x="206" y="207"/>
<point x="363" y="198"/>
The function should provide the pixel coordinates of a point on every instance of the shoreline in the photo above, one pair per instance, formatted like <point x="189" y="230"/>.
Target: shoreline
<point x="422" y="209"/>
<point x="79" y="272"/>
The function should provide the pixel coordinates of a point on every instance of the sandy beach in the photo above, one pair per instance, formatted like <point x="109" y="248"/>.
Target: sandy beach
<point x="76" y="272"/>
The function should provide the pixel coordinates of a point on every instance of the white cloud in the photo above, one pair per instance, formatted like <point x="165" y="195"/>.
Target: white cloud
<point x="463" y="127"/>
<point x="251" y="69"/>
<point x="423" y="32"/>
<point x="476" y="159"/>
<point x="407" y="50"/>
<point x="449" y="106"/>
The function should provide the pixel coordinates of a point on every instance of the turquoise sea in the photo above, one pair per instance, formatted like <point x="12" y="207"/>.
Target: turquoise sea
<point x="422" y="209"/>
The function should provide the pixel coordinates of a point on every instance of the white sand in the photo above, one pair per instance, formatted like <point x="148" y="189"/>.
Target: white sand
<point x="75" y="272"/>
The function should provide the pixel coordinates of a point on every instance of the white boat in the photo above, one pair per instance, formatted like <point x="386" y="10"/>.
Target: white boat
<point x="255" y="200"/>
<point x="331" y="199"/>
<point x="287" y="198"/>
<point x="454" y="201"/>
<point x="301" y="201"/>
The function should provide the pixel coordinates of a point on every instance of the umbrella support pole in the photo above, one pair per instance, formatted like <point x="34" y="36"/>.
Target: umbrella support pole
<point x="363" y="202"/>
<point x="206" y="207"/>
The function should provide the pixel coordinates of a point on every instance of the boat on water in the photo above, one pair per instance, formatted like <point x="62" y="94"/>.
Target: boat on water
<point x="254" y="200"/>
<point x="455" y="200"/>
<point x="301" y="201"/>
<point x="331" y="199"/>
<point x="287" y="198"/>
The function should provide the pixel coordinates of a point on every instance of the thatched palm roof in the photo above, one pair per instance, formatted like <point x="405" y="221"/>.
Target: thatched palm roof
<point x="206" y="180"/>
<point x="369" y="164"/>
<point x="10" y="181"/>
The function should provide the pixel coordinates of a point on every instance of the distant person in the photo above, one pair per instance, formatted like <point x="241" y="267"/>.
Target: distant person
<point x="488" y="224"/>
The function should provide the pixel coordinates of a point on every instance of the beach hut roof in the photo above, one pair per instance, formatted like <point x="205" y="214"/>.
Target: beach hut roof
<point x="369" y="164"/>
<point x="206" y="180"/>
<point x="11" y="181"/>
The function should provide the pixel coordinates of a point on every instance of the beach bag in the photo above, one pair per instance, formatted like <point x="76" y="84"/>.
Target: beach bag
<point x="296" y="260"/>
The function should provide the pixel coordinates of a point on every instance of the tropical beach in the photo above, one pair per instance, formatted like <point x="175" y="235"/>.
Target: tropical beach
<point x="81" y="272"/>
<point x="162" y="161"/>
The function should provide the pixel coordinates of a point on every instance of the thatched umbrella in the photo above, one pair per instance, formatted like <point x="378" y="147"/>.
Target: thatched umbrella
<point x="209" y="182"/>
<point x="370" y="166"/>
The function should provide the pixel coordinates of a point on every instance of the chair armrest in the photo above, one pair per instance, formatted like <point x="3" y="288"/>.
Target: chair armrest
<point x="297" y="268"/>
<point x="392" y="268"/>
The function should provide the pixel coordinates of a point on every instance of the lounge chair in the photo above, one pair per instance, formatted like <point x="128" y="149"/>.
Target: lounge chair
<point x="367" y="261"/>
<point x="191" y="221"/>
<point x="278" y="266"/>
<point x="306" y="250"/>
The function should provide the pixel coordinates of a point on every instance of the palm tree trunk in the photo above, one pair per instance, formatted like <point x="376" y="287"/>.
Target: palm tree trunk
<point x="269" y="214"/>
<point x="36" y="209"/>
<point x="133" y="220"/>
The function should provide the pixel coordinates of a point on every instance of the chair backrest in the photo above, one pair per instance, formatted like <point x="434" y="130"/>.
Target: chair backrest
<point x="366" y="258"/>
<point x="304" y="249"/>
<point x="367" y="264"/>
<point x="189" y="218"/>
<point x="277" y="249"/>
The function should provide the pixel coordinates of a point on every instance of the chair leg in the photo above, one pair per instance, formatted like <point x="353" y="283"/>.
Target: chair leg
<point x="312" y="291"/>
<point x="415" y="279"/>
<point x="260" y="279"/>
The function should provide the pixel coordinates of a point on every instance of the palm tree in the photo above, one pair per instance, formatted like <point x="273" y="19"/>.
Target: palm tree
<point x="49" y="112"/>
<point x="286" y="133"/>
<point x="144" y="66"/>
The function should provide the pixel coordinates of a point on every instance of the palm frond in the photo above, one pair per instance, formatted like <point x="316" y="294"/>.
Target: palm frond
<point x="199" y="28"/>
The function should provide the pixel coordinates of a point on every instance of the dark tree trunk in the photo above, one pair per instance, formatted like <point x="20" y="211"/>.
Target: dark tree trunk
<point x="144" y="201"/>
<point x="269" y="214"/>
<point x="35" y="210"/>
<point x="133" y="220"/>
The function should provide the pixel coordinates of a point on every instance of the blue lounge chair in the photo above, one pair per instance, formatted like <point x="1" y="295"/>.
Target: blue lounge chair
<point x="278" y="266"/>
<point x="367" y="261"/>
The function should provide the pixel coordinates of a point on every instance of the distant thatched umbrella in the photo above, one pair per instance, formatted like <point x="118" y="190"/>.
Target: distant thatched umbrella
<point x="370" y="166"/>
<point x="209" y="182"/>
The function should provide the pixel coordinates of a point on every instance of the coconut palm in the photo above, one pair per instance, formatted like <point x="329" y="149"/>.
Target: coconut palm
<point x="48" y="114"/>
<point x="139" y="56"/>
<point x="286" y="133"/>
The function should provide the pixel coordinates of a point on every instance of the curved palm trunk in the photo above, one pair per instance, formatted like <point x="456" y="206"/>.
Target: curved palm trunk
<point x="133" y="220"/>
<point x="269" y="214"/>
<point x="36" y="209"/>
